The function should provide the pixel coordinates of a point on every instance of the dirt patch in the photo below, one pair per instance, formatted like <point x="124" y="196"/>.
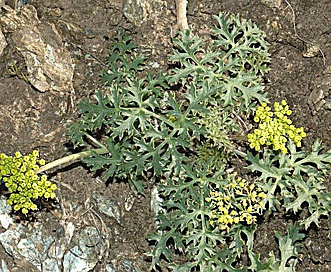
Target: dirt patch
<point x="34" y="120"/>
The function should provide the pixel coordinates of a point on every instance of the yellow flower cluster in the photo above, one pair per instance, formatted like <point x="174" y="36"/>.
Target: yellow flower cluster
<point x="275" y="128"/>
<point x="18" y="174"/>
<point x="238" y="201"/>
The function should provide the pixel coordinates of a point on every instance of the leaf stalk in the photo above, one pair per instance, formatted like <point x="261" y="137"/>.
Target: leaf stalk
<point x="71" y="158"/>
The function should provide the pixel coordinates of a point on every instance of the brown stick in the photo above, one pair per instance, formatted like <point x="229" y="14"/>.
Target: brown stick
<point x="181" y="6"/>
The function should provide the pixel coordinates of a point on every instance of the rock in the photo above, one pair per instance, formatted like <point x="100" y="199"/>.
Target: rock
<point x="48" y="62"/>
<point x="319" y="97"/>
<point x="3" y="42"/>
<point x="4" y="267"/>
<point x="136" y="11"/>
<point x="84" y="256"/>
<point x="51" y="254"/>
<point x="5" y="209"/>
<point x="108" y="206"/>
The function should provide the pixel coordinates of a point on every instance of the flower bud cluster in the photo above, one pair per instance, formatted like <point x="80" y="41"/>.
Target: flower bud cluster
<point x="18" y="174"/>
<point x="275" y="128"/>
<point x="238" y="201"/>
<point x="217" y="124"/>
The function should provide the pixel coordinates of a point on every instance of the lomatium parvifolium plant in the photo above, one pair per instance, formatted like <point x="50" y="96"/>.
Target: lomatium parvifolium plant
<point x="182" y="130"/>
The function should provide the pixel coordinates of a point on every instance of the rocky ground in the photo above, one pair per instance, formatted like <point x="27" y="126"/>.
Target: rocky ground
<point x="38" y="100"/>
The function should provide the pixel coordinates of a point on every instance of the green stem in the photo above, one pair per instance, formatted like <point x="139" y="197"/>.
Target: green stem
<point x="239" y="153"/>
<point x="71" y="158"/>
<point x="95" y="141"/>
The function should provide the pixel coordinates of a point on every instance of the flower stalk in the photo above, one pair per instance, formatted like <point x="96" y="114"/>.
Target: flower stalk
<point x="72" y="158"/>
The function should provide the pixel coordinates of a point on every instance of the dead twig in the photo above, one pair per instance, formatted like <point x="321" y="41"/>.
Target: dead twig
<point x="297" y="35"/>
<point x="88" y="52"/>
